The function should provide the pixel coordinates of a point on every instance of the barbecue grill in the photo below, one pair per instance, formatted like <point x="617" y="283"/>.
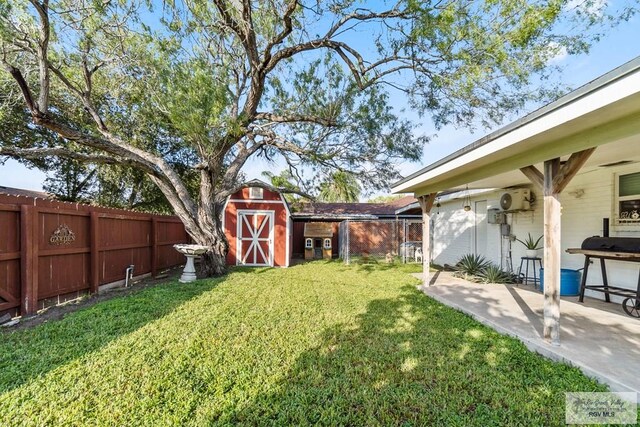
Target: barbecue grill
<point x="611" y="248"/>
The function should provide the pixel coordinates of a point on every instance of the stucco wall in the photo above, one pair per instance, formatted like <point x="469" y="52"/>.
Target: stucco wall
<point x="588" y="199"/>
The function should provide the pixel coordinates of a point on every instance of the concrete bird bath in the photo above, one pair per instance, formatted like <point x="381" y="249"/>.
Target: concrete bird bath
<point x="190" y="251"/>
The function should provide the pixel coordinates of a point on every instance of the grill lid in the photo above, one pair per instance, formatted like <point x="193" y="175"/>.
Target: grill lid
<point x="612" y="244"/>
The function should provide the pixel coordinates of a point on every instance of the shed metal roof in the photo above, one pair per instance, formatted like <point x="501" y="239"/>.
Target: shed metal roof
<point x="353" y="210"/>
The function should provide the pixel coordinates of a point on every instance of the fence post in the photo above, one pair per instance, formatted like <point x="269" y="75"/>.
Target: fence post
<point x="154" y="246"/>
<point x="348" y="243"/>
<point x="95" y="252"/>
<point x="28" y="260"/>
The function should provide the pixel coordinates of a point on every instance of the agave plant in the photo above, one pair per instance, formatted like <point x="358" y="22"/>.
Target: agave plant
<point x="494" y="274"/>
<point x="472" y="265"/>
<point x="530" y="243"/>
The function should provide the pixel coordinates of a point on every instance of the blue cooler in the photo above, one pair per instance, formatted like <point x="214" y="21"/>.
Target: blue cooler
<point x="569" y="282"/>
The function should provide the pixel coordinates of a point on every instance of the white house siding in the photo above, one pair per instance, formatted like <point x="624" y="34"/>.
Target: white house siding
<point x="588" y="199"/>
<point x="452" y="229"/>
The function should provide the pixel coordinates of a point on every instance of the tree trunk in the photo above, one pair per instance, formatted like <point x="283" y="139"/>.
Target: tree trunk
<point x="211" y="234"/>
<point x="214" y="262"/>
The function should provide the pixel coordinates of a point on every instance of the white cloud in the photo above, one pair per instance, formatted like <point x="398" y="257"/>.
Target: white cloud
<point x="556" y="53"/>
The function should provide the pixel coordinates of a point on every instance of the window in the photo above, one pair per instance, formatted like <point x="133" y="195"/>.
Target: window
<point x="308" y="243"/>
<point x="627" y="204"/>
<point x="255" y="193"/>
<point x="327" y="243"/>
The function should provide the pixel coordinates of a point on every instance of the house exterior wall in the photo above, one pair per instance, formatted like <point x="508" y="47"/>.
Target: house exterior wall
<point x="271" y="201"/>
<point x="585" y="202"/>
<point x="451" y="229"/>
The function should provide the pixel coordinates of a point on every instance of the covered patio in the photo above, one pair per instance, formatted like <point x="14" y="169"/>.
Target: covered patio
<point x="591" y="128"/>
<point x="587" y="339"/>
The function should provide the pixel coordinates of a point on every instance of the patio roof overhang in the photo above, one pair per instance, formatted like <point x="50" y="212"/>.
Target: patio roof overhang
<point x="604" y="113"/>
<point x="591" y="127"/>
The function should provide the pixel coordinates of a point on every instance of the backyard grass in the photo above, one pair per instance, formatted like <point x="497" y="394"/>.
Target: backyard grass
<point x="319" y="343"/>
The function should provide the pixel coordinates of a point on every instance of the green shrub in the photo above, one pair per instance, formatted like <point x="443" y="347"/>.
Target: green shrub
<point x="494" y="274"/>
<point x="472" y="265"/>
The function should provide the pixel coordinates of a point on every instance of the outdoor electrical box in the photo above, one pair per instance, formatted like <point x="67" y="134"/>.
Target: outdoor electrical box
<point x="496" y="216"/>
<point x="505" y="230"/>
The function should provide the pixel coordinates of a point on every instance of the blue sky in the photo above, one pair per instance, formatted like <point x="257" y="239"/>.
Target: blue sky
<point x="616" y="48"/>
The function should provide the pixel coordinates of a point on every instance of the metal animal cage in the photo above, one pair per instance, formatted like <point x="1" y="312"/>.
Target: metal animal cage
<point x="380" y="241"/>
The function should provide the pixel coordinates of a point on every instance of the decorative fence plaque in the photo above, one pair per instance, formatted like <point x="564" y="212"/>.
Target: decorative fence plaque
<point x="62" y="235"/>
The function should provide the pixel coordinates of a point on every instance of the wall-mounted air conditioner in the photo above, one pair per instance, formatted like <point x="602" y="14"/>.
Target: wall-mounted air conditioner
<point x="518" y="199"/>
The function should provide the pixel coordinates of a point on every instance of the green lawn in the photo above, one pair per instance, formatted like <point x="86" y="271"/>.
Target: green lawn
<point x="320" y="343"/>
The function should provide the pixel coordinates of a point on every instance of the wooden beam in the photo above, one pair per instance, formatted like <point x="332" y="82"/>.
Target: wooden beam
<point x="570" y="169"/>
<point x="534" y="175"/>
<point x="552" y="241"/>
<point x="426" y="203"/>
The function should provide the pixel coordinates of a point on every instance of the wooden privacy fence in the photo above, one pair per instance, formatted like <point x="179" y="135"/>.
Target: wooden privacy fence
<point x="53" y="251"/>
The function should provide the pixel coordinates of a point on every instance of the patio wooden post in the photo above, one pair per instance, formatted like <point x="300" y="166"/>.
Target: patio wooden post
<point x="552" y="254"/>
<point x="426" y="203"/>
<point x="554" y="180"/>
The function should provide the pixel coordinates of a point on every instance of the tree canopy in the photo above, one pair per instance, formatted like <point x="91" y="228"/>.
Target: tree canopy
<point x="340" y="187"/>
<point x="187" y="91"/>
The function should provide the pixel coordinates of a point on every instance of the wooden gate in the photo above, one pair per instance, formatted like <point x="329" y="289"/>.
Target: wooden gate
<point x="255" y="238"/>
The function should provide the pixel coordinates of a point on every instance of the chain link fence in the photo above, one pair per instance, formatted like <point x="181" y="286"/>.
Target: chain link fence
<point x="381" y="241"/>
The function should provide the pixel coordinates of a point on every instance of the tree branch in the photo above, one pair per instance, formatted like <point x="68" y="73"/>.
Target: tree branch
<point x="287" y="30"/>
<point x="38" y="153"/>
<point x="114" y="144"/>
<point x="42" y="53"/>
<point x="244" y="152"/>
<point x="24" y="86"/>
<point x="357" y="68"/>
<point x="291" y="118"/>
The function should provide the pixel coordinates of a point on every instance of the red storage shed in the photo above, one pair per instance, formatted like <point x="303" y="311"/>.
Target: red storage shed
<point x="257" y="223"/>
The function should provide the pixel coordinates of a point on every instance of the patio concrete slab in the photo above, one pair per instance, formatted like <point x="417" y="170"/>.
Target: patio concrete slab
<point x="597" y="337"/>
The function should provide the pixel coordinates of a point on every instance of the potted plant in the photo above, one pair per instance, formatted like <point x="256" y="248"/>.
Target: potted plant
<point x="531" y="245"/>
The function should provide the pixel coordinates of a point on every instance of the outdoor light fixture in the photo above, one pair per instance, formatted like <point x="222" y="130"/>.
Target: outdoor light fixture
<point x="466" y="205"/>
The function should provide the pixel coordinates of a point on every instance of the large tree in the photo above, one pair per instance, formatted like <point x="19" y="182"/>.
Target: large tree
<point x="341" y="186"/>
<point x="188" y="91"/>
<point x="104" y="185"/>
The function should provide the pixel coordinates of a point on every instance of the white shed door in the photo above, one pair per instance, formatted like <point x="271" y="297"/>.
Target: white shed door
<point x="255" y="238"/>
<point x="480" y="228"/>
